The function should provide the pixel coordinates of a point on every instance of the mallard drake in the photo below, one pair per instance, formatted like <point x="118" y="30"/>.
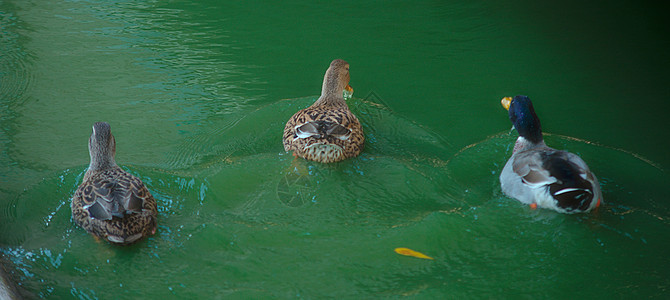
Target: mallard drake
<point x="542" y="176"/>
<point x="110" y="203"/>
<point x="326" y="131"/>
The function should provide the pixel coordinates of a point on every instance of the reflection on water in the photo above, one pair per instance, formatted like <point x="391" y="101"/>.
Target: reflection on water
<point x="192" y="91"/>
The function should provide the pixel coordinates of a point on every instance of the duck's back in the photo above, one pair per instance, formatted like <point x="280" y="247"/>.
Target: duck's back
<point x="575" y="187"/>
<point x="324" y="134"/>
<point x="553" y="178"/>
<point x="115" y="205"/>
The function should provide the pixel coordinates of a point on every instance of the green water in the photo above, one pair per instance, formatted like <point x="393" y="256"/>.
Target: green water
<point x="197" y="94"/>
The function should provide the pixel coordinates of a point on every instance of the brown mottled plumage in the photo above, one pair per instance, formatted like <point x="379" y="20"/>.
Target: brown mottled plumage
<point x="110" y="203"/>
<point x="326" y="131"/>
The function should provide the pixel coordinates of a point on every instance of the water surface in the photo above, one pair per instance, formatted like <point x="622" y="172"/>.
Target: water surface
<point x="197" y="94"/>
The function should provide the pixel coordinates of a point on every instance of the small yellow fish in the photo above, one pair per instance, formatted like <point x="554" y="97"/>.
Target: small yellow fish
<point x="410" y="252"/>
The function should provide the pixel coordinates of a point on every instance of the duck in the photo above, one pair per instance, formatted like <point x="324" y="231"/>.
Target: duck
<point x="327" y="131"/>
<point x="541" y="176"/>
<point x="110" y="203"/>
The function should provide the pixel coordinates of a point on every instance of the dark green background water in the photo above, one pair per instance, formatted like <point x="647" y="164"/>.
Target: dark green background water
<point x="196" y="93"/>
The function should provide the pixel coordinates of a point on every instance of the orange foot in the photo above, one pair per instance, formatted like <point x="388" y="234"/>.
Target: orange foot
<point x="533" y="206"/>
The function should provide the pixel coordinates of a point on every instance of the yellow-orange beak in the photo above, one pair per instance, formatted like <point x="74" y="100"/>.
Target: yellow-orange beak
<point x="348" y="92"/>
<point x="506" y="102"/>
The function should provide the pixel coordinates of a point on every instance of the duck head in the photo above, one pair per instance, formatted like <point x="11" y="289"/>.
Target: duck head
<point x="101" y="147"/>
<point x="523" y="117"/>
<point x="336" y="79"/>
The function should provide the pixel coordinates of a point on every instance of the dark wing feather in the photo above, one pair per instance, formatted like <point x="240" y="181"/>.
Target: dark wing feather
<point x="97" y="211"/>
<point x="572" y="189"/>
<point x="336" y="130"/>
<point x="116" y="197"/>
<point x="135" y="201"/>
<point x="322" y="129"/>
<point x="308" y="129"/>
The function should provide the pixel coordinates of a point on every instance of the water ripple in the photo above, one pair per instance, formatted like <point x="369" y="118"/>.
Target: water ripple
<point x="15" y="64"/>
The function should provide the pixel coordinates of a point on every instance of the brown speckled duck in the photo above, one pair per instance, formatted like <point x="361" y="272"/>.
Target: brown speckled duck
<point x="110" y="203"/>
<point x="326" y="131"/>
